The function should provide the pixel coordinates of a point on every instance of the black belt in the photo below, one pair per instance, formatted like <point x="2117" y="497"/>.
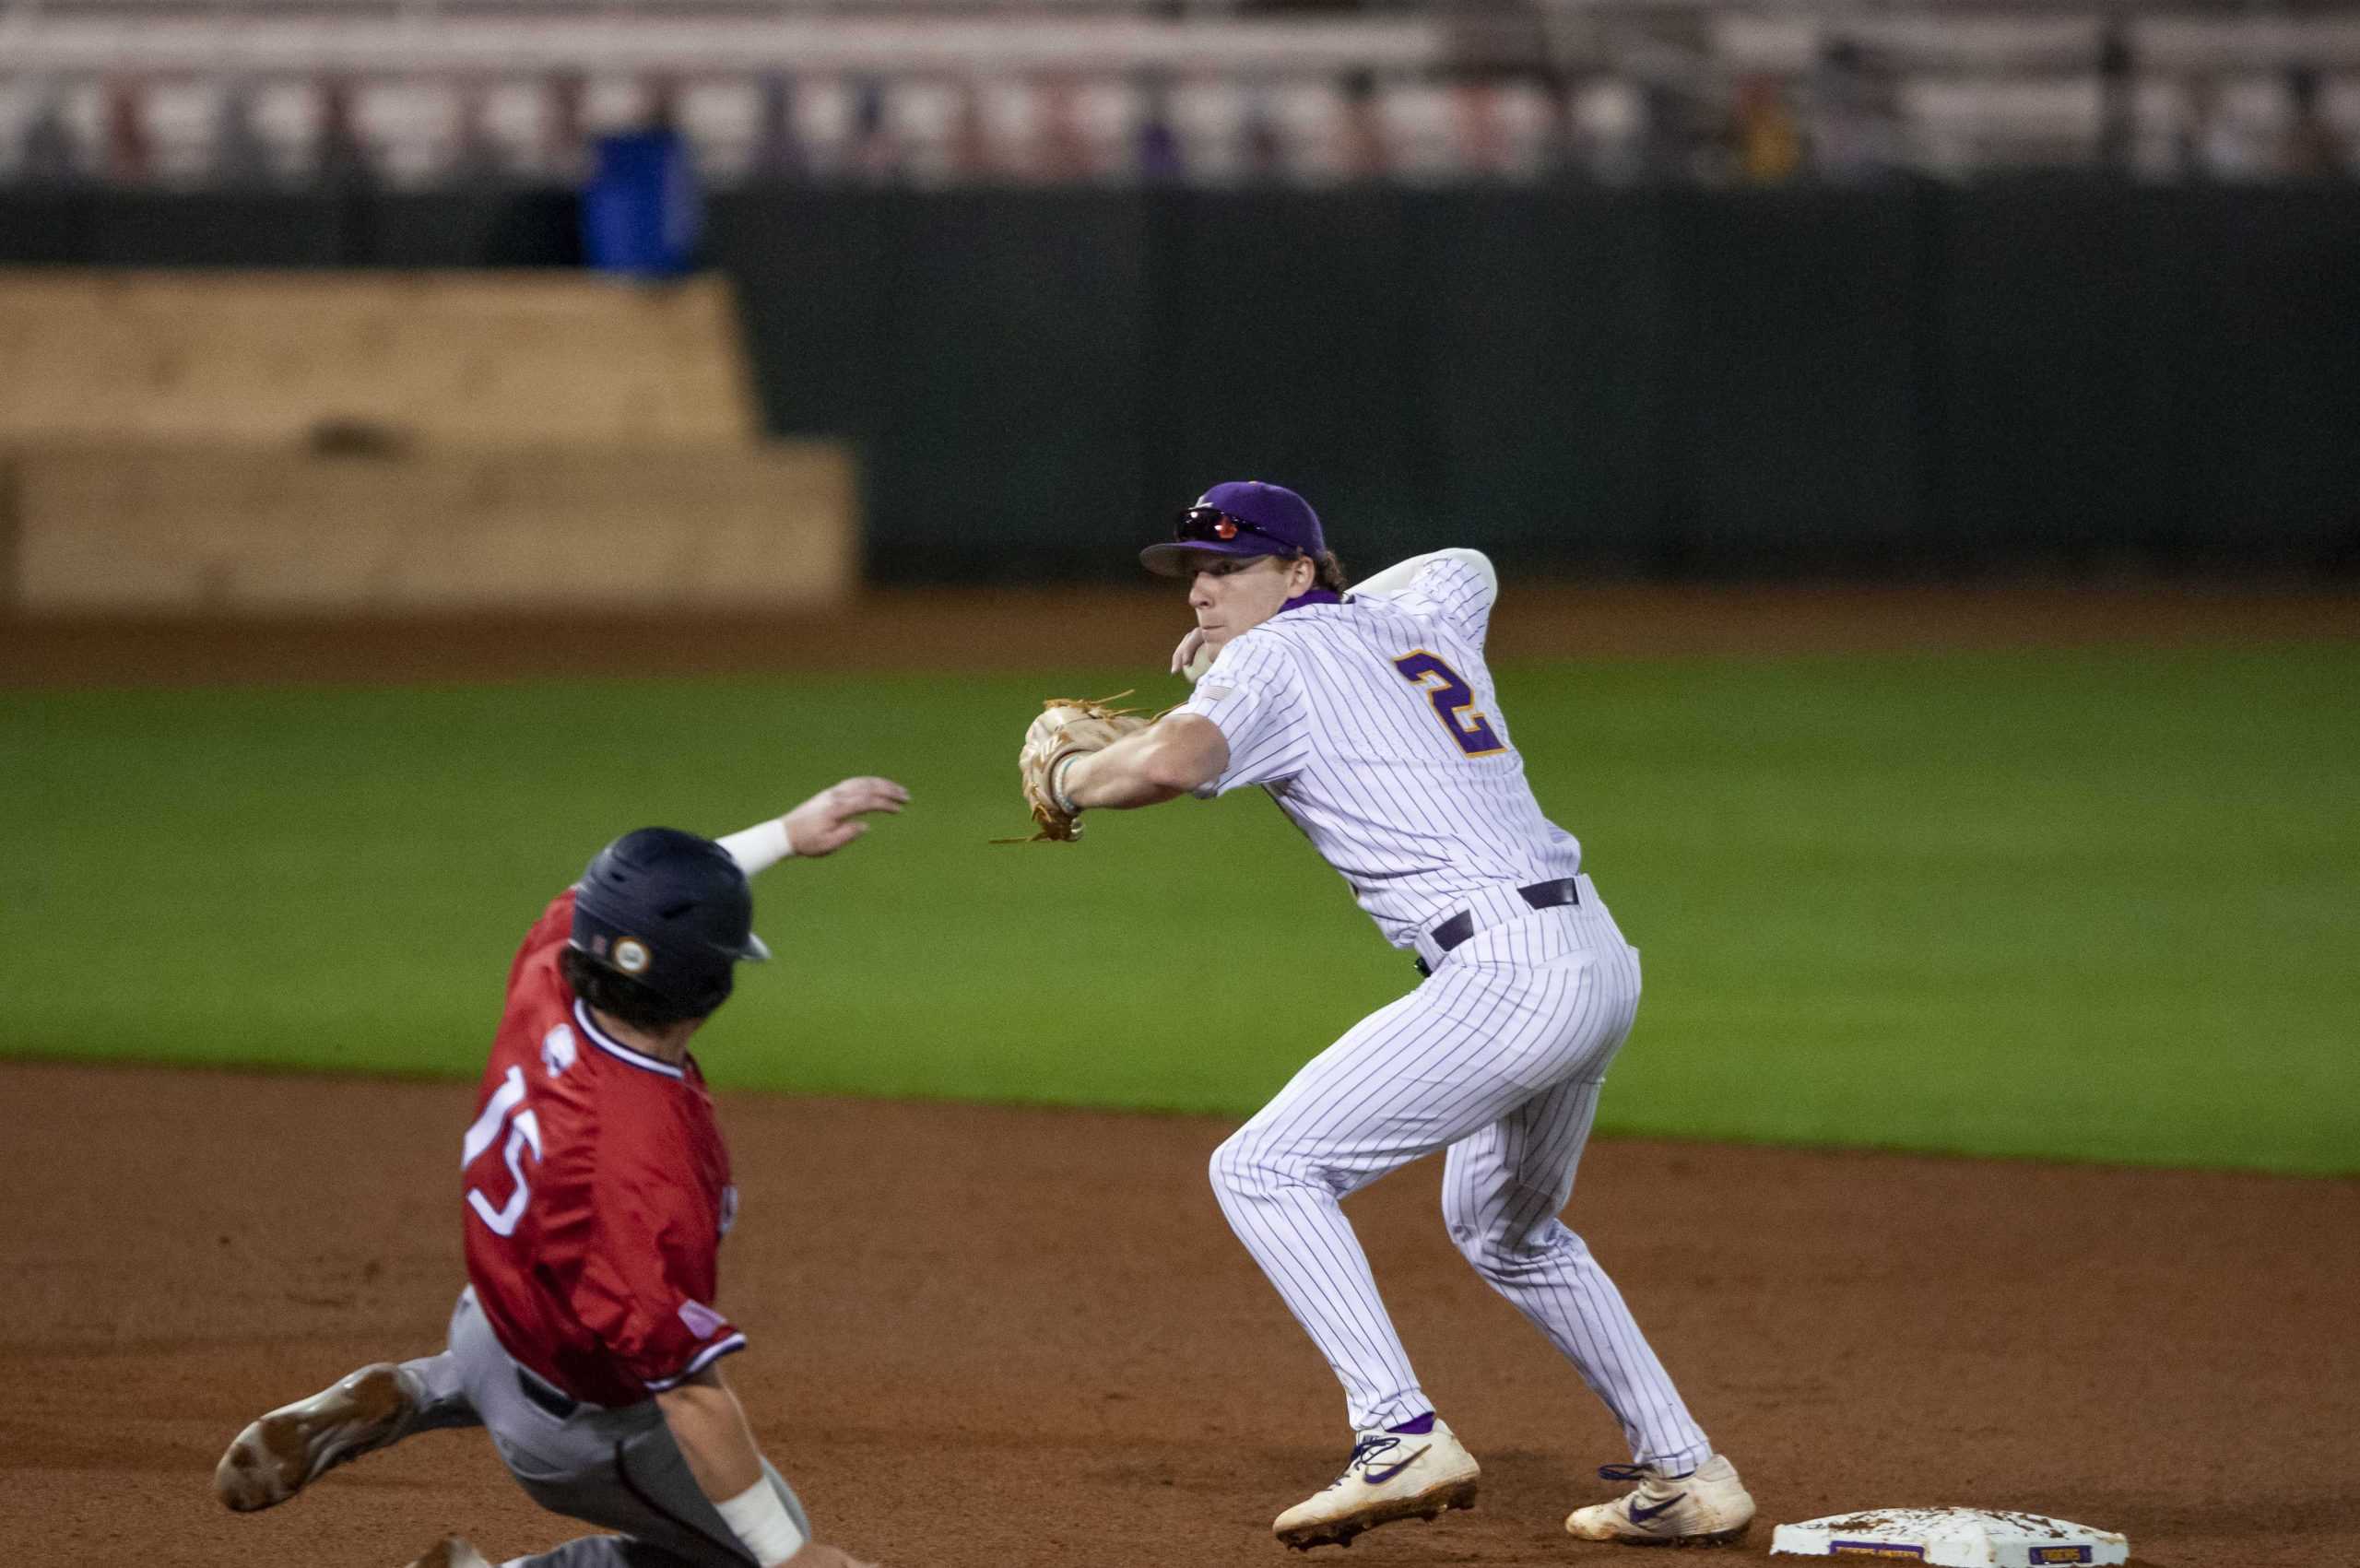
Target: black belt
<point x="1539" y="895"/>
<point x="555" y="1401"/>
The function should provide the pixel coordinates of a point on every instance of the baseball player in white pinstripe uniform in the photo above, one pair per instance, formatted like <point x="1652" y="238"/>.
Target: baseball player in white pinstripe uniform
<point x="1369" y="715"/>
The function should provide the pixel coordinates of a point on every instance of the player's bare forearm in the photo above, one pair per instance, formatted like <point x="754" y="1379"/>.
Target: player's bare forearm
<point x="710" y="1426"/>
<point x="1161" y="763"/>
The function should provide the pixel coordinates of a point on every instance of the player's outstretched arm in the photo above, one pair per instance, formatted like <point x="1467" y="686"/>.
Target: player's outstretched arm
<point x="1163" y="761"/>
<point x="821" y="825"/>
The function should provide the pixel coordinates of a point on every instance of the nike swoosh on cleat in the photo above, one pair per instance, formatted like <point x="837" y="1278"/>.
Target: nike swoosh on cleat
<point x="1378" y="1478"/>
<point x="1641" y="1516"/>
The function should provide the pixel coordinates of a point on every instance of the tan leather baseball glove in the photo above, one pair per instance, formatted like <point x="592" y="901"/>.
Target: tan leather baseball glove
<point x="1067" y="725"/>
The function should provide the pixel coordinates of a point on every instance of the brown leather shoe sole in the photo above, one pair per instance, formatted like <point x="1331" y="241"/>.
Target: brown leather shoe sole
<point x="286" y="1450"/>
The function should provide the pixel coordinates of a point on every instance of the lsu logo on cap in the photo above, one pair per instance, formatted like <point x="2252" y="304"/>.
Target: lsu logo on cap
<point x="632" y="956"/>
<point x="2045" y="1554"/>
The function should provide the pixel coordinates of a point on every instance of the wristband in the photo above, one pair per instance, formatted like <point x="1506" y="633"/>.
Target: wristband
<point x="1057" y="784"/>
<point x="763" y="1524"/>
<point x="759" y="847"/>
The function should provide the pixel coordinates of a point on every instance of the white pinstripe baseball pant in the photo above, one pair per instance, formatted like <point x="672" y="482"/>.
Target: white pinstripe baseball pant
<point x="1499" y="1058"/>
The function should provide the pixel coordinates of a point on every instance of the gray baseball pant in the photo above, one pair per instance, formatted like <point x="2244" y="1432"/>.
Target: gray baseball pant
<point x="615" y="1468"/>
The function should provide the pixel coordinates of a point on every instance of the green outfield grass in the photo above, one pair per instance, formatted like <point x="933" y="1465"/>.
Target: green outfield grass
<point x="2082" y="904"/>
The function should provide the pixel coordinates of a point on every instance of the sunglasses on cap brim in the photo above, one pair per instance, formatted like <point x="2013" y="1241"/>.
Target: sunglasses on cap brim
<point x="1211" y="525"/>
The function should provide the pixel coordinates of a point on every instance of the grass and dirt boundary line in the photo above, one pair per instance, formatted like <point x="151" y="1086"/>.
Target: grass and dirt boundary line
<point x="1017" y="629"/>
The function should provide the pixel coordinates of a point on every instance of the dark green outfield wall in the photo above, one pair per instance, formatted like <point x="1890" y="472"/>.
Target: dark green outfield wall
<point x="1678" y="382"/>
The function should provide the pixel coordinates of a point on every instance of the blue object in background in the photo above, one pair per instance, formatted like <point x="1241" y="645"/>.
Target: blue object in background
<point x="642" y="213"/>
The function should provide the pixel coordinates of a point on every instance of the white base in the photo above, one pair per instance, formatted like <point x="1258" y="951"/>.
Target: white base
<point x="1954" y="1538"/>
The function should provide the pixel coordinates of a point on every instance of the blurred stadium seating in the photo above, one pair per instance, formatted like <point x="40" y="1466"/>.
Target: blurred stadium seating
<point x="440" y="358"/>
<point x="222" y="531"/>
<point x="257" y="444"/>
<point x="437" y="92"/>
<point x="2048" y="286"/>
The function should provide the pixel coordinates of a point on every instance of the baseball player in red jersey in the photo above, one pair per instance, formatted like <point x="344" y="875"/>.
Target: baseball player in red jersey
<point x="597" y="1192"/>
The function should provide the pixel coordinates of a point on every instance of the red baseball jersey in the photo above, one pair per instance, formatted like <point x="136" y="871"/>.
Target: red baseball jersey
<point x="597" y="1192"/>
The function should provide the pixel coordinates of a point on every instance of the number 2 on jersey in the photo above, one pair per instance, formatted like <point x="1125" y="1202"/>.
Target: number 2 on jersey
<point x="1451" y="698"/>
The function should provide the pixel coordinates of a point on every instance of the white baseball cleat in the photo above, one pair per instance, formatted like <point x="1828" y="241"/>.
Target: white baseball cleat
<point x="290" y="1448"/>
<point x="451" y="1551"/>
<point x="1391" y="1475"/>
<point x="1710" y="1507"/>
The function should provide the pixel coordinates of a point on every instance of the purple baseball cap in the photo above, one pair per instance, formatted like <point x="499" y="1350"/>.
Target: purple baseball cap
<point x="1242" y="518"/>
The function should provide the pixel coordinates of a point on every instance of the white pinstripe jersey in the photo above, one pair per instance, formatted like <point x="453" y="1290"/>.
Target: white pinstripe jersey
<point x="1373" y="725"/>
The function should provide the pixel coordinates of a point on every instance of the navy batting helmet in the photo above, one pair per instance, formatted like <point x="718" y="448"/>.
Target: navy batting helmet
<point x="672" y="911"/>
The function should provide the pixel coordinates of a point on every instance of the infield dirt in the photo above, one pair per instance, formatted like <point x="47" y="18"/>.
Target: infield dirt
<point x="987" y="1337"/>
